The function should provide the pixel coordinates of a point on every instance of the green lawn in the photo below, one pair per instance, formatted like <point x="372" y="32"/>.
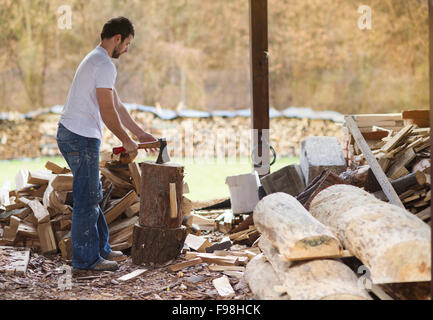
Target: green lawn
<point x="206" y="180"/>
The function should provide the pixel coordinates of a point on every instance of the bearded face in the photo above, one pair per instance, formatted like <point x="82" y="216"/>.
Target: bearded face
<point x="116" y="52"/>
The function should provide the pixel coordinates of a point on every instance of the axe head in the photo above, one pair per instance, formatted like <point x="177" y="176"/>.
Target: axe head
<point x="163" y="156"/>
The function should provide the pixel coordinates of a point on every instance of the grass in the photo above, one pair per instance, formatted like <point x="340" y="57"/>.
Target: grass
<point x="206" y="179"/>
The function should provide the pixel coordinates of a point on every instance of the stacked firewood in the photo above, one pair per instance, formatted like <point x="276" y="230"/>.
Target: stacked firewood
<point x="403" y="152"/>
<point x="39" y="213"/>
<point x="190" y="137"/>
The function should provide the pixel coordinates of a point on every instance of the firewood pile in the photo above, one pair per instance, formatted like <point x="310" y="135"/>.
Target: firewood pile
<point x="191" y="137"/>
<point x="39" y="214"/>
<point x="401" y="144"/>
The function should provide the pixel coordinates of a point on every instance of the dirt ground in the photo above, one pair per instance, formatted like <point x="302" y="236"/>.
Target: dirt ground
<point x="45" y="273"/>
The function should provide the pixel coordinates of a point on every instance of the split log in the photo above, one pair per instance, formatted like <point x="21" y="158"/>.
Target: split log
<point x="155" y="194"/>
<point x="393" y="243"/>
<point x="292" y="229"/>
<point x="316" y="279"/>
<point x="262" y="279"/>
<point x="156" y="245"/>
<point x="288" y="179"/>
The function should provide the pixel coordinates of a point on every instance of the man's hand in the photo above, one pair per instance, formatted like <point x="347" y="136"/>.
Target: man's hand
<point x="130" y="145"/>
<point x="147" y="137"/>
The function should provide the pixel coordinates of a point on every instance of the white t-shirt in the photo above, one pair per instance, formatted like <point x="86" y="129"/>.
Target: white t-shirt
<point x="81" y="112"/>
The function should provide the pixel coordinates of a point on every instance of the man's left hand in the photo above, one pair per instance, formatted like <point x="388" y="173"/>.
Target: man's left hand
<point x="145" y="138"/>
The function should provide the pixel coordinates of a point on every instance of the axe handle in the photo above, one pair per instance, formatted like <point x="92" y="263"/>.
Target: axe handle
<point x="156" y="144"/>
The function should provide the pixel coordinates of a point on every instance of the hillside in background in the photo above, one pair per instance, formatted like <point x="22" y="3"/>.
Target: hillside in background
<point x="197" y="51"/>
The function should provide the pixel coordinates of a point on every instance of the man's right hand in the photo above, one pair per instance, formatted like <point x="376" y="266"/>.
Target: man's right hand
<point x="130" y="146"/>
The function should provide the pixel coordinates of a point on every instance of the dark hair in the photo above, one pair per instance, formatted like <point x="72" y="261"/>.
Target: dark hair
<point x="119" y="25"/>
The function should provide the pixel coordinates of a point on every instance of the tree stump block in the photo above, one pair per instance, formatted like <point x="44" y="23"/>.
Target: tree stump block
<point x="159" y="235"/>
<point x="155" y="194"/>
<point x="157" y="245"/>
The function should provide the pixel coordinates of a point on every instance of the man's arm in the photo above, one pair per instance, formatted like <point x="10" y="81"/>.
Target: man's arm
<point x="129" y="123"/>
<point x="111" y="118"/>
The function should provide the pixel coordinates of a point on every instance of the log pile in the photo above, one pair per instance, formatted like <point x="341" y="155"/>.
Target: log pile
<point x="299" y="252"/>
<point x="401" y="144"/>
<point x="190" y="136"/>
<point x="39" y="215"/>
<point x="318" y="254"/>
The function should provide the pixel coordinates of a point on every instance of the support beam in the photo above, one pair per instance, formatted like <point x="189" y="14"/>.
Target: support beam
<point x="374" y="165"/>
<point x="258" y="10"/>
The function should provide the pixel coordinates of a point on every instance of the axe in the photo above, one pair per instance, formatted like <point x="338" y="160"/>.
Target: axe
<point x="163" y="156"/>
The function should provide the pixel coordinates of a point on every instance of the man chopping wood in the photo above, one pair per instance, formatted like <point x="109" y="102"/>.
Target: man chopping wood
<point x="92" y="102"/>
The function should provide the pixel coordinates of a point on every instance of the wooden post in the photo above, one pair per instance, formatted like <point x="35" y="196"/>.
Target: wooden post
<point x="159" y="236"/>
<point x="259" y="84"/>
<point x="430" y="15"/>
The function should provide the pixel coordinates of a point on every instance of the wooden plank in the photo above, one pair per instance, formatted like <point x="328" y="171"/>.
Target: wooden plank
<point x="202" y="221"/>
<point x="132" y="275"/>
<point x="54" y="168"/>
<point x="27" y="230"/>
<point x="133" y="210"/>
<point x="39" y="177"/>
<point x="173" y="201"/>
<point x="47" y="238"/>
<point x="122" y="224"/>
<point x="14" y="260"/>
<point x="374" y="165"/>
<point x="378" y="117"/>
<point x="197" y="243"/>
<point x="223" y="286"/>
<point x="115" y="211"/>
<point x="397" y="138"/>
<point x="135" y="175"/>
<point x="185" y="264"/>
<point x="403" y="159"/>
<point x="10" y="232"/>
<point x="211" y="258"/>
<point x="40" y="213"/>
<point x="20" y="213"/>
<point x="118" y="182"/>
<point x="63" y="182"/>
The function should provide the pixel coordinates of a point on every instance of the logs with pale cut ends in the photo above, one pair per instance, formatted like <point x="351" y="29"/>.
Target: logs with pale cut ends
<point x="262" y="279"/>
<point x="390" y="241"/>
<point x="292" y="229"/>
<point x="314" y="280"/>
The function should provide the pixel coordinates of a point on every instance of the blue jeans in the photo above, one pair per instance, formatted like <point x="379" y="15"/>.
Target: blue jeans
<point x="89" y="231"/>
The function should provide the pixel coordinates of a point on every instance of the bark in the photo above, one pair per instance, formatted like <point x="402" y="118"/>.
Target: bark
<point x="292" y="229"/>
<point x="155" y="194"/>
<point x="316" y="279"/>
<point x="156" y="245"/>
<point x="393" y="243"/>
<point x="262" y="279"/>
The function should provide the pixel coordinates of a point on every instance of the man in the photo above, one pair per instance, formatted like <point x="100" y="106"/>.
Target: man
<point x="92" y="102"/>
